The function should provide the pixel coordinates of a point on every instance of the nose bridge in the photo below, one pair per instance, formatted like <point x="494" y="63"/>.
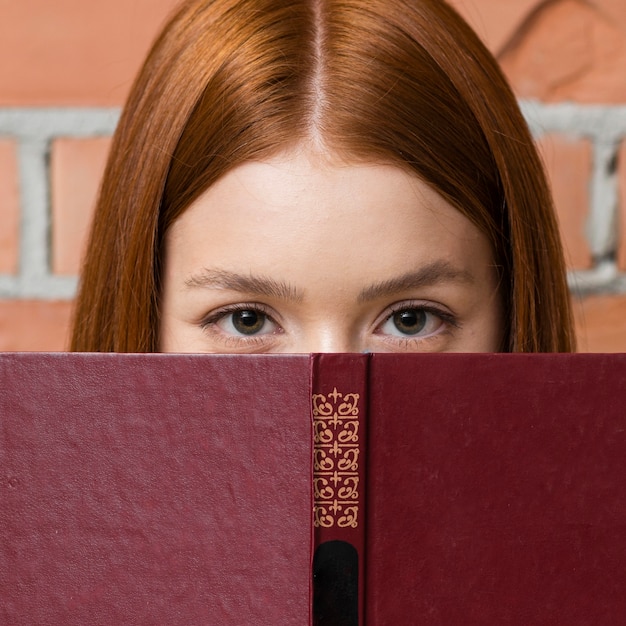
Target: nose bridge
<point x="327" y="336"/>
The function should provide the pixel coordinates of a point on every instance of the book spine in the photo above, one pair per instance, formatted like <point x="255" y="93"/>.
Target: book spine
<point x="339" y="413"/>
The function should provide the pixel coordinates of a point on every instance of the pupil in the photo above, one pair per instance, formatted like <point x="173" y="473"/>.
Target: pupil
<point x="410" y="322"/>
<point x="248" y="322"/>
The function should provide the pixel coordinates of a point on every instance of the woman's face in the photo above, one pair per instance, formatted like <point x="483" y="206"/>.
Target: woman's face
<point x="307" y="253"/>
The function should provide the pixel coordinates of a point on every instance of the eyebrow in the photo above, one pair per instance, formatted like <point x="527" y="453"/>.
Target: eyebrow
<point x="429" y="275"/>
<point x="261" y="285"/>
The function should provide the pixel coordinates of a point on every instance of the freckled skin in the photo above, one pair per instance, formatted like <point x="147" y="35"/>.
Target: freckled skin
<point x="308" y="253"/>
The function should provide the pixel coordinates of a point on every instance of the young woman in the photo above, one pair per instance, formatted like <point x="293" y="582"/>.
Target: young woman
<point x="322" y="175"/>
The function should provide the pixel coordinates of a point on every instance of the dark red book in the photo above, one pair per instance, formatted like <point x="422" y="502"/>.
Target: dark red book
<point x="154" y="490"/>
<point x="160" y="489"/>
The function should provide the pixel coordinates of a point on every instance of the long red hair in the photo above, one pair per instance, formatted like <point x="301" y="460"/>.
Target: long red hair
<point x="398" y="81"/>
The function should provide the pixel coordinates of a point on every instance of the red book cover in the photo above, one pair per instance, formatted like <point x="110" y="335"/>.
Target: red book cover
<point x="164" y="489"/>
<point x="496" y="490"/>
<point x="154" y="489"/>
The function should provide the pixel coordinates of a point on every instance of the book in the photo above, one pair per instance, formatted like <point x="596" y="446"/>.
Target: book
<point x="312" y="489"/>
<point x="154" y="490"/>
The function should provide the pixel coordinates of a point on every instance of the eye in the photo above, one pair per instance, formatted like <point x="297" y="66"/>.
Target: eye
<point x="248" y="321"/>
<point x="241" y="321"/>
<point x="413" y="321"/>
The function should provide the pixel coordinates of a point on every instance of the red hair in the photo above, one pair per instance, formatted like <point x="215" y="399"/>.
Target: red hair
<point x="397" y="81"/>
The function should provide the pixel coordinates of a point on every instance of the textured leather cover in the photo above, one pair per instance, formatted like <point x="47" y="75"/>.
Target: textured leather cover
<point x="154" y="489"/>
<point x="497" y="490"/>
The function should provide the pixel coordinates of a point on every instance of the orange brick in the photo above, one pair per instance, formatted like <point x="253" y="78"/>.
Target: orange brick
<point x="569" y="50"/>
<point x="34" y="325"/>
<point x="76" y="170"/>
<point x="601" y="323"/>
<point x="496" y="21"/>
<point x="9" y="207"/>
<point x="74" y="51"/>
<point x="568" y="164"/>
<point x="621" y="249"/>
<point x="615" y="11"/>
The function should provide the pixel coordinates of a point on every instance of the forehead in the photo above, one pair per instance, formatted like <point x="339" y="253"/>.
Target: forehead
<point x="302" y="212"/>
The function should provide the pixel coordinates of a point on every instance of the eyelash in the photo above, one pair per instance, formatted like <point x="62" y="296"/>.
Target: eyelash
<point x="447" y="318"/>
<point x="445" y="315"/>
<point x="215" y="316"/>
<point x="209" y="323"/>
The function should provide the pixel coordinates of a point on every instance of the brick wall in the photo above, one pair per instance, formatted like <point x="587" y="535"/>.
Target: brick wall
<point x="71" y="63"/>
<point x="70" y="66"/>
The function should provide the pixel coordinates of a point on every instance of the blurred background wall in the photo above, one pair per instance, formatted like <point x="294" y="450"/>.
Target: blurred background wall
<point x="67" y="66"/>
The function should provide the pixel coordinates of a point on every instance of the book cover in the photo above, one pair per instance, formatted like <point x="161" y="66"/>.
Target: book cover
<point x="148" y="489"/>
<point x="460" y="489"/>
<point x="496" y="490"/>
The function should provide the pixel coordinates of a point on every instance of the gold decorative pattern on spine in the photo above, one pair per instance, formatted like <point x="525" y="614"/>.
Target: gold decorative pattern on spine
<point x="336" y="459"/>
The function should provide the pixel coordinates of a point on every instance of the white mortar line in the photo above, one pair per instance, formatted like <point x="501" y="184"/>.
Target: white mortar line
<point x="604" y="123"/>
<point x="57" y="122"/>
<point x="34" y="130"/>
<point x="42" y="288"/>
<point x="34" y="216"/>
<point x="585" y="282"/>
<point x="601" y="226"/>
